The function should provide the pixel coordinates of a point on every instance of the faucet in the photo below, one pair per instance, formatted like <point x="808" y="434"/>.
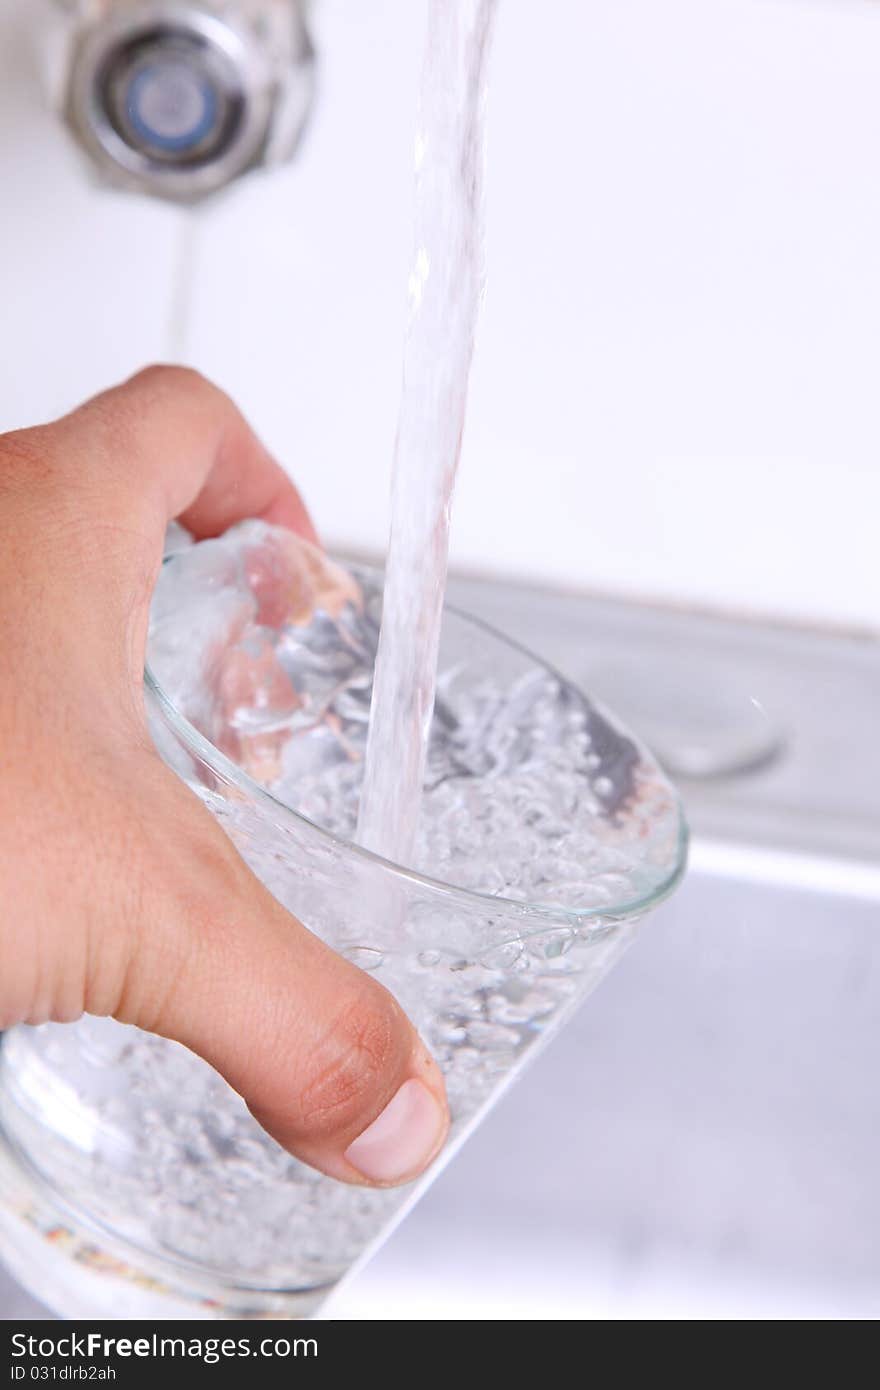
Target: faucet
<point x="178" y="98"/>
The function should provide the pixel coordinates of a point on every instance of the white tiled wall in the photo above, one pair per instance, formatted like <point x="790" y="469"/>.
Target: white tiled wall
<point x="678" y="376"/>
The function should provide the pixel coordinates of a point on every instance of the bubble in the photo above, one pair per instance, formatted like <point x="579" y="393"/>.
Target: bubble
<point x="550" y="945"/>
<point x="502" y="957"/>
<point x="492" y="1037"/>
<point x="364" y="957"/>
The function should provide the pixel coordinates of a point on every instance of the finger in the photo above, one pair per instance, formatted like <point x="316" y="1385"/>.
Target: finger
<point x="184" y="445"/>
<point x="324" y="1056"/>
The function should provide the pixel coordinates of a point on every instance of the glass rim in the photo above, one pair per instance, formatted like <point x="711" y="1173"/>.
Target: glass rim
<point x="224" y="767"/>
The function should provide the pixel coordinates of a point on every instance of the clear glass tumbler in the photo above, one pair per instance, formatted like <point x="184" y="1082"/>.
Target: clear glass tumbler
<point x="134" y="1182"/>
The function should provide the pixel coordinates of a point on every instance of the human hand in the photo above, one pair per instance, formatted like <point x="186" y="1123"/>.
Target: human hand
<point x="121" y="894"/>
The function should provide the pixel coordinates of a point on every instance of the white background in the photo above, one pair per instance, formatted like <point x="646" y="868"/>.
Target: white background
<point x="676" y="390"/>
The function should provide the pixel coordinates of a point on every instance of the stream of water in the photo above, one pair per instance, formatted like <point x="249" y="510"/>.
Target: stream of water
<point x="446" y="286"/>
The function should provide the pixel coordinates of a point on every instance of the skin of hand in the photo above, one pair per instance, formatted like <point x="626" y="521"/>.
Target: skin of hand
<point x="121" y="895"/>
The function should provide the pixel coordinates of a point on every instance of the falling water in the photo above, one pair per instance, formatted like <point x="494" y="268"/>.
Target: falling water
<point x="445" y="291"/>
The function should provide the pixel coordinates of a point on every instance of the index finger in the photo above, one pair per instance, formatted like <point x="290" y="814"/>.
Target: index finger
<point x="189" y="450"/>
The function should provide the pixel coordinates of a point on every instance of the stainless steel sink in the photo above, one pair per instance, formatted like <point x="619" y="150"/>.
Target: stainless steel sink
<point x="704" y="1139"/>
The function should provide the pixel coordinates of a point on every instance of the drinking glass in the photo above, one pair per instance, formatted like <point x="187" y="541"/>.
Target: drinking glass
<point x="134" y="1182"/>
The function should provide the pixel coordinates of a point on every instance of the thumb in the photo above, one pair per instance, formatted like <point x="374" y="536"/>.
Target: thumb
<point x="322" y="1053"/>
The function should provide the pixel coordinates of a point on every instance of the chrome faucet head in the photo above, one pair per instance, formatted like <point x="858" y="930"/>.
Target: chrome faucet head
<point x="178" y="98"/>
